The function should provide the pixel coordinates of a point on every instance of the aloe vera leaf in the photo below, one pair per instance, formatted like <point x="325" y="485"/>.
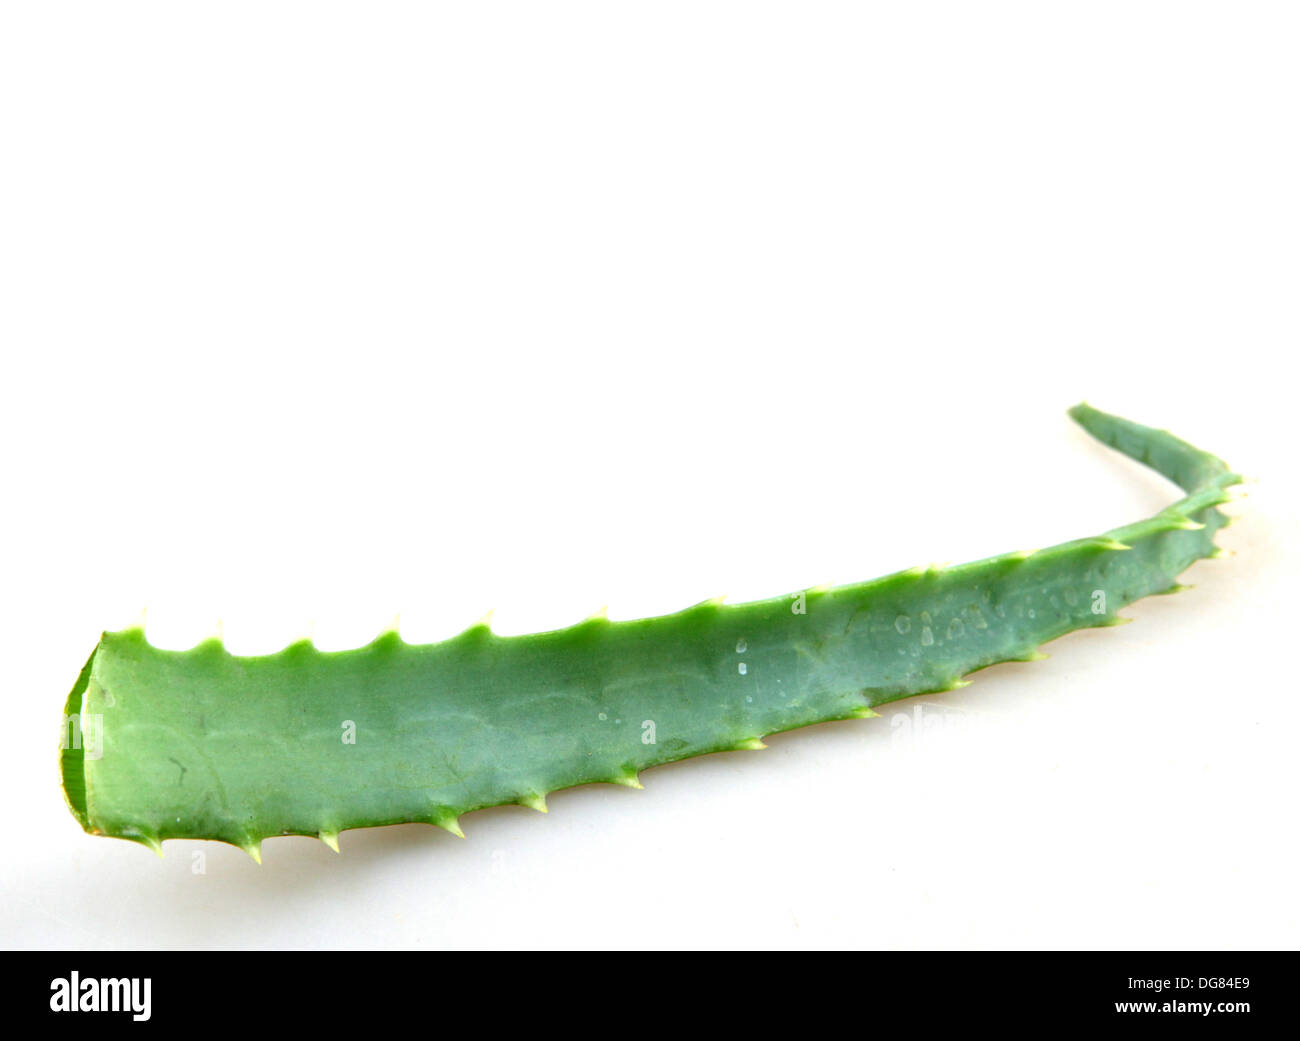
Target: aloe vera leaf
<point x="205" y="744"/>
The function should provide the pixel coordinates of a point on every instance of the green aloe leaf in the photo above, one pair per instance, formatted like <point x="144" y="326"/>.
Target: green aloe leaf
<point x="205" y="744"/>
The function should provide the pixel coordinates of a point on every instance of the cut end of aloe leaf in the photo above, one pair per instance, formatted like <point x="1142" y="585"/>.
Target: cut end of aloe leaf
<point x="72" y="752"/>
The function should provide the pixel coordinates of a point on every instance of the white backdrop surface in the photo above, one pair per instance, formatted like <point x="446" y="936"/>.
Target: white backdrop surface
<point x="317" y="313"/>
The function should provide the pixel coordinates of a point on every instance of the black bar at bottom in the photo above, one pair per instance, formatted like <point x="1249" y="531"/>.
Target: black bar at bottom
<point x="318" y="990"/>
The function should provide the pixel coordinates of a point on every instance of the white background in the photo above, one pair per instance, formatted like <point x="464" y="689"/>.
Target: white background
<point x="315" y="313"/>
